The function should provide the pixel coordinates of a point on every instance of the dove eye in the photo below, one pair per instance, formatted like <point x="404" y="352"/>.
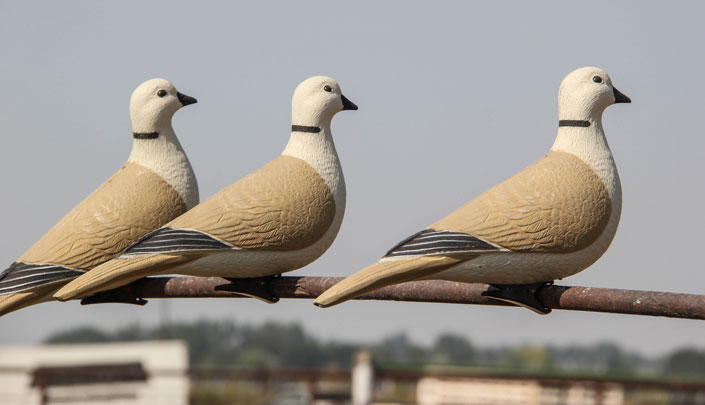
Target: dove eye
<point x="161" y="93"/>
<point x="597" y="79"/>
<point x="327" y="88"/>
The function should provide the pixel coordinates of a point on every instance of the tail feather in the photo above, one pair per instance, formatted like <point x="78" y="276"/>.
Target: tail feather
<point x="13" y="302"/>
<point x="116" y="273"/>
<point x="21" y="277"/>
<point x="384" y="273"/>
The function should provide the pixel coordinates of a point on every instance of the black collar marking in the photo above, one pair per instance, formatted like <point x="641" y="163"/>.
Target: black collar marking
<point x="573" y="123"/>
<point x="148" y="135"/>
<point x="303" y="128"/>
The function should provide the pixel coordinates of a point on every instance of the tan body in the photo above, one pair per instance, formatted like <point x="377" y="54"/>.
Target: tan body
<point x="554" y="231"/>
<point x="296" y="226"/>
<point x="99" y="228"/>
<point x="156" y="185"/>
<point x="549" y="221"/>
<point x="553" y="219"/>
<point x="277" y="219"/>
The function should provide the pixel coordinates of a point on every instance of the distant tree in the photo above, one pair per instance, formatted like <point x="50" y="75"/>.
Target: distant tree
<point x="604" y="357"/>
<point x="83" y="334"/>
<point x="530" y="357"/>
<point x="210" y="343"/>
<point x="454" y="349"/>
<point x="133" y="332"/>
<point x="615" y="359"/>
<point x="338" y="354"/>
<point x="256" y="357"/>
<point x="686" y="361"/>
<point x="273" y="344"/>
<point x="287" y="342"/>
<point x="399" y="349"/>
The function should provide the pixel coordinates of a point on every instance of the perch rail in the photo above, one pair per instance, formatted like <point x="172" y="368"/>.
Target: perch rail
<point x="575" y="298"/>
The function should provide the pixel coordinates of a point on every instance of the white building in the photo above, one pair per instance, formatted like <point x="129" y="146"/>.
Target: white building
<point x="488" y="391"/>
<point x="138" y="373"/>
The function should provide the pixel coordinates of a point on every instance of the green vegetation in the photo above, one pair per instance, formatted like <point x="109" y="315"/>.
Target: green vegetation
<point x="228" y="344"/>
<point x="226" y="393"/>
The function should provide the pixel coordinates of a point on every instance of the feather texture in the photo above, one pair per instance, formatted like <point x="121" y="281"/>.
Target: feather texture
<point x="285" y="205"/>
<point x="556" y="205"/>
<point x="131" y="203"/>
<point x="128" y="205"/>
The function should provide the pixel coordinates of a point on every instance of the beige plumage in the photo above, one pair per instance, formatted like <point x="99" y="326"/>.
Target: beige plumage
<point x="134" y="201"/>
<point x="268" y="210"/>
<point x="551" y="220"/>
<point x="556" y="205"/>
<point x="277" y="219"/>
<point x="108" y="220"/>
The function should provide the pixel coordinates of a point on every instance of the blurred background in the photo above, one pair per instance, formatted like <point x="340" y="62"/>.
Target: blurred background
<point x="454" y="97"/>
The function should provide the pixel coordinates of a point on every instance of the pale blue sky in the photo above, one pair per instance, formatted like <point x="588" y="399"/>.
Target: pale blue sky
<point x="454" y="97"/>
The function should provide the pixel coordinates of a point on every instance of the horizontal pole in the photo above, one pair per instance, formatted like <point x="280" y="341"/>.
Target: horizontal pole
<point x="574" y="298"/>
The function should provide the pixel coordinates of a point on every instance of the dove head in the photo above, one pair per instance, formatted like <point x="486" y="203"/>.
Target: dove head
<point x="153" y="104"/>
<point x="585" y="93"/>
<point x="316" y="100"/>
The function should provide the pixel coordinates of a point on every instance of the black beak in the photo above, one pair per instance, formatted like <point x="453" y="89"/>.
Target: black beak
<point x="347" y="104"/>
<point x="619" y="97"/>
<point x="185" y="100"/>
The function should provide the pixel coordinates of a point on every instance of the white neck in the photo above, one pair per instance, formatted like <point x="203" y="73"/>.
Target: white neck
<point x="590" y="145"/>
<point x="318" y="150"/>
<point x="165" y="156"/>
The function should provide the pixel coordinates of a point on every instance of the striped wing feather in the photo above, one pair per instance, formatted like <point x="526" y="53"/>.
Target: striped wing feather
<point x="116" y="273"/>
<point x="431" y="242"/>
<point x="166" y="240"/>
<point x="24" y="277"/>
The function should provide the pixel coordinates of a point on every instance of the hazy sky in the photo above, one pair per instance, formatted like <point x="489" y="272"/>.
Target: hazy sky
<point x="453" y="97"/>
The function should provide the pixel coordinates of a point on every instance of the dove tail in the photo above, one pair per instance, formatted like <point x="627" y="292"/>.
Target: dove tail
<point x="116" y="273"/>
<point x="381" y="274"/>
<point x="13" y="302"/>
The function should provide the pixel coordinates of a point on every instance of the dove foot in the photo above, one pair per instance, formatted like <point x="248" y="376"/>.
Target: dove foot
<point x="116" y="296"/>
<point x="252" y="287"/>
<point x="523" y="295"/>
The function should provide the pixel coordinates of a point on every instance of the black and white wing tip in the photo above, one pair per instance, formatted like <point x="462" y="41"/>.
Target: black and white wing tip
<point x="431" y="242"/>
<point x="172" y="240"/>
<point x="21" y="277"/>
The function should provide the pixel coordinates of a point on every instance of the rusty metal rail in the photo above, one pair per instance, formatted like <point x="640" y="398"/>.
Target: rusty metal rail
<point x="633" y="302"/>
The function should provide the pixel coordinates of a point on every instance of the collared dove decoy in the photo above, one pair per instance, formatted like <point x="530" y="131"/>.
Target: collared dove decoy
<point x="549" y="221"/>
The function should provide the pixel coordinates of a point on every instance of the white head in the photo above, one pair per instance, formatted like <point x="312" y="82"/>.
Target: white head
<point x="153" y="104"/>
<point x="316" y="100"/>
<point x="585" y="93"/>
